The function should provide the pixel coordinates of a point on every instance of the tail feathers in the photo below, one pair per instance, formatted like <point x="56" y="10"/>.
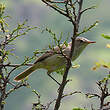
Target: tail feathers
<point x="25" y="73"/>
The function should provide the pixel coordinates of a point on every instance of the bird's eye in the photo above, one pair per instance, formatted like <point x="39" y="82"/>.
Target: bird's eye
<point x="81" y="41"/>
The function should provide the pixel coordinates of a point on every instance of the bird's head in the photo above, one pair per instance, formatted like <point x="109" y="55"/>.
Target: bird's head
<point x="80" y="44"/>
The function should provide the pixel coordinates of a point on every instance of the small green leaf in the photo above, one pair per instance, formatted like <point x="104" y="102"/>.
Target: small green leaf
<point x="104" y="80"/>
<point x="108" y="76"/>
<point x="60" y="71"/>
<point x="108" y="45"/>
<point x="0" y="76"/>
<point x="61" y="35"/>
<point x="37" y="93"/>
<point x="66" y="43"/>
<point x="105" y="36"/>
<point x="3" y="102"/>
<point x="75" y="66"/>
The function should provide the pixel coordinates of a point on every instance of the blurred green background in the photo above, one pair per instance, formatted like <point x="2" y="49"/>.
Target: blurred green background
<point x="83" y="78"/>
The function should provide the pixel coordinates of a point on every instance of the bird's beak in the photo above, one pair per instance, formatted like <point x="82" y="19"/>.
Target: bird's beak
<point x="90" y="42"/>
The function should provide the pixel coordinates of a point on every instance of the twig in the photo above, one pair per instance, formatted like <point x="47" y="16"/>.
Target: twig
<point x="11" y="84"/>
<point x="15" y="65"/>
<point x="72" y="93"/>
<point x="104" y="93"/>
<point x="57" y="1"/>
<point x="65" y="95"/>
<point x="92" y="7"/>
<point x="80" y="2"/>
<point x="63" y="13"/>
<point x="19" y="85"/>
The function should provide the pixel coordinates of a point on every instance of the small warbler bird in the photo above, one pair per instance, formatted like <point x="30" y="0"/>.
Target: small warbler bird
<point x="53" y="60"/>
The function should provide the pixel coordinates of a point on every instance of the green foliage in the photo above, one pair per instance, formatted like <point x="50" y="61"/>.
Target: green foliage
<point x="2" y="8"/>
<point x="7" y="41"/>
<point x="57" y="39"/>
<point x="11" y="36"/>
<point x="89" y="28"/>
<point x="36" y="93"/>
<point x="105" y="36"/>
<point x="3" y="23"/>
<point x="20" y="30"/>
<point x="101" y="63"/>
<point x="37" y="105"/>
<point x="75" y="65"/>
<point x="60" y="71"/>
<point x="28" y="59"/>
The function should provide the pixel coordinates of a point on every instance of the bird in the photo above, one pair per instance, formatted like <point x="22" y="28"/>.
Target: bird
<point x="53" y="60"/>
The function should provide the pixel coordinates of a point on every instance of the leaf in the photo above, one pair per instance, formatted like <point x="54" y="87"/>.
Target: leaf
<point x="104" y="80"/>
<point x="37" y="93"/>
<point x="97" y="65"/>
<point x="0" y="76"/>
<point x="89" y="28"/>
<point x="76" y="66"/>
<point x="66" y="43"/>
<point x="60" y="71"/>
<point x="105" y="36"/>
<point x="108" y="45"/>
<point x="3" y="102"/>
<point x="61" y="35"/>
<point x="105" y="66"/>
<point x="109" y="76"/>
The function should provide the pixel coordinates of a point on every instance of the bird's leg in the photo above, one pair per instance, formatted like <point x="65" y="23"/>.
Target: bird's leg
<point x="53" y="78"/>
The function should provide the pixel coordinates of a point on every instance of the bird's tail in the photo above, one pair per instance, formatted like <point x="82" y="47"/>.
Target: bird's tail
<point x="25" y="73"/>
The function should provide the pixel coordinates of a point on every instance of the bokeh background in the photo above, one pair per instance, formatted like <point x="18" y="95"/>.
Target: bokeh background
<point x="83" y="79"/>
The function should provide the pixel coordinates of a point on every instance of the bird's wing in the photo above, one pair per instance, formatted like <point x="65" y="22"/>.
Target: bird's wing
<point x="56" y="50"/>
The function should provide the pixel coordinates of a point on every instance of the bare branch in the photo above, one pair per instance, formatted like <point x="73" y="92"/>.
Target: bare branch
<point x="19" y="85"/>
<point x="65" y="95"/>
<point x="56" y="9"/>
<point x="57" y="1"/>
<point x="80" y="2"/>
<point x="15" y="65"/>
<point x="92" y="7"/>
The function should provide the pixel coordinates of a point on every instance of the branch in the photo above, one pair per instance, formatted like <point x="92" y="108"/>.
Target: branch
<point x="92" y="7"/>
<point x="65" y="95"/>
<point x="56" y="1"/>
<point x="104" y="93"/>
<point x="19" y="85"/>
<point x="52" y="6"/>
<point x="89" y="28"/>
<point x="59" y="10"/>
<point x="80" y="2"/>
<point x="15" y="65"/>
<point x="68" y="65"/>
